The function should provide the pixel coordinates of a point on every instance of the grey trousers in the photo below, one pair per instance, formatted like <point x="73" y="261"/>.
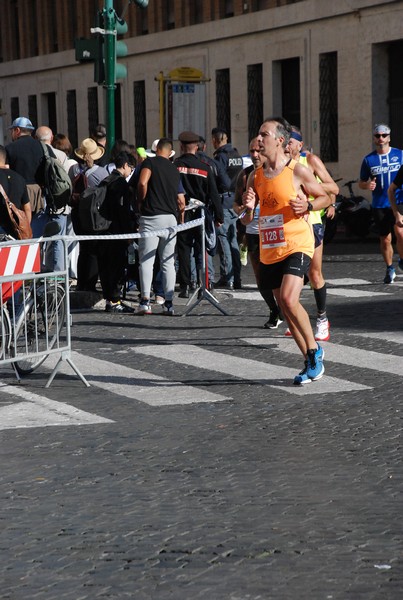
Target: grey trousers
<point x="165" y="244"/>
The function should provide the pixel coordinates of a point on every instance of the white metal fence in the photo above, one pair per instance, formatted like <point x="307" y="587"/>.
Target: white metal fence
<point x="35" y="309"/>
<point x="35" y="306"/>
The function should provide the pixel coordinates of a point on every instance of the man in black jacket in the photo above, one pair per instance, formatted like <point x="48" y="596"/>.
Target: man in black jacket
<point x="15" y="187"/>
<point x="199" y="183"/>
<point x="25" y="156"/>
<point x="230" y="161"/>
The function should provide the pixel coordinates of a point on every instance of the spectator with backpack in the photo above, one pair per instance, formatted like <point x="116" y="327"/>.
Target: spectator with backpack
<point x="86" y="173"/>
<point x="115" y="205"/>
<point x="56" y="198"/>
<point x="62" y="144"/>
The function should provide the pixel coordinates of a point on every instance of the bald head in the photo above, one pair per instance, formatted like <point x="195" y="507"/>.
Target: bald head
<point x="44" y="134"/>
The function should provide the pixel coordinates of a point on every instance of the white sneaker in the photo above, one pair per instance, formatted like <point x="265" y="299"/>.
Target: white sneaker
<point x="322" y="333"/>
<point x="159" y="300"/>
<point x="144" y="308"/>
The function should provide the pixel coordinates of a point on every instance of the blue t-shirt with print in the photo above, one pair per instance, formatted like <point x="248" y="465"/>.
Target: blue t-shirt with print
<point x="385" y="168"/>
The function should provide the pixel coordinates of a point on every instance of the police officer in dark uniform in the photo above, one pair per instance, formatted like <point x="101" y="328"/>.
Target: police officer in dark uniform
<point x="230" y="162"/>
<point x="198" y="182"/>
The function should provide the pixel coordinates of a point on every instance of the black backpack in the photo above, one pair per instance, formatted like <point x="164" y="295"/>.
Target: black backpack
<point x="57" y="183"/>
<point x="93" y="210"/>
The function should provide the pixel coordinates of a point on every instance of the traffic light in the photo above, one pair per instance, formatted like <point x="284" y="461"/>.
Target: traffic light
<point x="99" y="64"/>
<point x="120" y="48"/>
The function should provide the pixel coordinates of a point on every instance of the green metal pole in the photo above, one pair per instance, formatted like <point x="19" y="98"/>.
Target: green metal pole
<point x="110" y="42"/>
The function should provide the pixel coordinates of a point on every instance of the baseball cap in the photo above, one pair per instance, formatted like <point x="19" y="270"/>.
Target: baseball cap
<point x="381" y="128"/>
<point x="22" y="122"/>
<point x="189" y="137"/>
<point x="141" y="152"/>
<point x="99" y="132"/>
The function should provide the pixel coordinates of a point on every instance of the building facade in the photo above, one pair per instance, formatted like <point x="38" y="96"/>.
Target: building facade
<point x="331" y="68"/>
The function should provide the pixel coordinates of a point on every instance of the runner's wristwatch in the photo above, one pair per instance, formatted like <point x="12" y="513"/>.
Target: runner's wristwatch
<point x="309" y="207"/>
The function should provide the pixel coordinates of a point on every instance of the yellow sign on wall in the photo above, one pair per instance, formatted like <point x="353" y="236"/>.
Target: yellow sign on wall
<point x="185" y="74"/>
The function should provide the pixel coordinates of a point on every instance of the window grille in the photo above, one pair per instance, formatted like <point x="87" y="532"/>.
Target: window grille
<point x="140" y="122"/>
<point x="52" y="111"/>
<point x="328" y="101"/>
<point x="290" y="91"/>
<point x="255" y="99"/>
<point x="223" y="100"/>
<point x="33" y="110"/>
<point x="14" y="108"/>
<point x="92" y="99"/>
<point x="71" y="100"/>
<point x="395" y="95"/>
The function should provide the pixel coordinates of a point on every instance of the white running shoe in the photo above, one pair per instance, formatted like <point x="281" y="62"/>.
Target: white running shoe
<point x="144" y="308"/>
<point x="322" y="333"/>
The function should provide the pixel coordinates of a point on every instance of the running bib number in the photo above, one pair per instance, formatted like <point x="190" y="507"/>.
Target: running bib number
<point x="272" y="231"/>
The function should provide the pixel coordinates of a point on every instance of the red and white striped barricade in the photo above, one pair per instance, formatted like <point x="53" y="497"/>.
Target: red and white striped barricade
<point x="18" y="260"/>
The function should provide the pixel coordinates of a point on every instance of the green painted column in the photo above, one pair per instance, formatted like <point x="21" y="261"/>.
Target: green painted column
<point x="109" y="47"/>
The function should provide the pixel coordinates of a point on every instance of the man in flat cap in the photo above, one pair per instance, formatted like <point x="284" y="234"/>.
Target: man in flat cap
<point x="198" y="182"/>
<point x="378" y="170"/>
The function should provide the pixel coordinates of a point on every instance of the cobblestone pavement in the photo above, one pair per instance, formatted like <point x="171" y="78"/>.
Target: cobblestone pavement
<point x="184" y="472"/>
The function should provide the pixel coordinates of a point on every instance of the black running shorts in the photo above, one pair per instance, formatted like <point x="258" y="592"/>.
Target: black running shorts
<point x="271" y="276"/>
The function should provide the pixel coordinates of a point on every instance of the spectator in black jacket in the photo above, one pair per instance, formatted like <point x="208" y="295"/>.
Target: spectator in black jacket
<point x="112" y="255"/>
<point x="15" y="187"/>
<point x="199" y="183"/>
<point x="230" y="161"/>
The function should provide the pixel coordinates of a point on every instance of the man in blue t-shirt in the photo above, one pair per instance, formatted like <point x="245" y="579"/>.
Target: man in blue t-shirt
<point x="378" y="171"/>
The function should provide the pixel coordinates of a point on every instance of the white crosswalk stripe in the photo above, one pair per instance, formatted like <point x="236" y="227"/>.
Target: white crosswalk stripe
<point x="388" y="336"/>
<point x="335" y="287"/>
<point x="38" y="411"/>
<point x="266" y="373"/>
<point x="137" y="385"/>
<point x="345" y="355"/>
<point x="34" y="410"/>
<point x="351" y="293"/>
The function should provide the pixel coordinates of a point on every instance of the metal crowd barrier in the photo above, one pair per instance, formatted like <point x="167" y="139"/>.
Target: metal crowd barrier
<point x="35" y="309"/>
<point x="35" y="306"/>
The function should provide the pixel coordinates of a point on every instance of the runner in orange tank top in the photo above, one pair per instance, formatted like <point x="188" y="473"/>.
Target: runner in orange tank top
<point x="286" y="238"/>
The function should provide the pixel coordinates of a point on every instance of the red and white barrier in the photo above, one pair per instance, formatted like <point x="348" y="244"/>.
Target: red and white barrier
<point x="15" y="260"/>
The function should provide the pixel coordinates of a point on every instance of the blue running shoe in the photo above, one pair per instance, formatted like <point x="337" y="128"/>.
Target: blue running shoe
<point x="302" y="378"/>
<point x="400" y="264"/>
<point x="320" y="353"/>
<point x="315" y="368"/>
<point x="390" y="275"/>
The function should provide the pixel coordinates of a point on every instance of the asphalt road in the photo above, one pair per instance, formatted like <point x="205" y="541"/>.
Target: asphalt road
<point x="192" y="468"/>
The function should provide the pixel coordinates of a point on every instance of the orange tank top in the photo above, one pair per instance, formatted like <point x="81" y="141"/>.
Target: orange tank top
<point x="281" y="232"/>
